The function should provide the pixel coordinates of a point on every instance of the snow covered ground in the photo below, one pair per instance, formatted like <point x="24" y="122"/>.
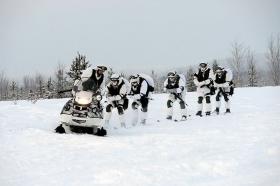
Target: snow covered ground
<point x="240" y="149"/>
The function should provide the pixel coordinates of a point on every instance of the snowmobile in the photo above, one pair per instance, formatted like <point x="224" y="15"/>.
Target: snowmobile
<point x="82" y="114"/>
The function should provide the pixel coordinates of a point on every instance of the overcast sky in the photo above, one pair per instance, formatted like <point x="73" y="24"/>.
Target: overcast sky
<point x="129" y="34"/>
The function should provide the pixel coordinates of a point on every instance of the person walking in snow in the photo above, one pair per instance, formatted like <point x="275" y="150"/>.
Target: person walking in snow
<point x="141" y="87"/>
<point x="203" y="81"/>
<point x="224" y="85"/>
<point x="116" y="94"/>
<point x="175" y="86"/>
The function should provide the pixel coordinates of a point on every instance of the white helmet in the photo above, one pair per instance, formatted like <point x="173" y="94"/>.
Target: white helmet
<point x="134" y="79"/>
<point x="115" y="78"/>
<point x="171" y="74"/>
<point x="219" y="70"/>
<point x="203" y="66"/>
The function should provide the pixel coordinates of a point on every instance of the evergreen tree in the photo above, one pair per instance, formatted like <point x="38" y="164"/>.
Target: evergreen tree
<point x="190" y="84"/>
<point x="252" y="71"/>
<point x="78" y="64"/>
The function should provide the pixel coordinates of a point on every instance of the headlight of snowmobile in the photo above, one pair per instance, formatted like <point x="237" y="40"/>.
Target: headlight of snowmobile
<point x="98" y="97"/>
<point x="83" y="101"/>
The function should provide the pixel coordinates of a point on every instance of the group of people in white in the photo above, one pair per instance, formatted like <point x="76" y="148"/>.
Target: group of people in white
<point x="139" y="87"/>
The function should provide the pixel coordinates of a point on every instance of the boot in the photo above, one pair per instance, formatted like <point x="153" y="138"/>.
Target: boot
<point x="208" y="113"/>
<point x="169" y="117"/>
<point x="227" y="110"/>
<point x="199" y="113"/>
<point x="143" y="121"/>
<point x="184" y="118"/>
<point x="217" y="110"/>
<point x="123" y="125"/>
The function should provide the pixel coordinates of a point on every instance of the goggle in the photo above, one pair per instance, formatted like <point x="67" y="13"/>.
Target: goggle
<point x="171" y="74"/>
<point x="114" y="80"/>
<point x="102" y="68"/>
<point x="202" y="65"/>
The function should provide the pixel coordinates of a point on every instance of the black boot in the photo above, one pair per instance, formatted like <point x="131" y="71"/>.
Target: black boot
<point x="60" y="130"/>
<point x="184" y="118"/>
<point x="208" y="113"/>
<point x="227" y="110"/>
<point x="199" y="113"/>
<point x="217" y="110"/>
<point x="169" y="117"/>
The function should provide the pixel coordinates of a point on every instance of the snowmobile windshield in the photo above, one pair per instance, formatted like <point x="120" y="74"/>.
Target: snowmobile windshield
<point x="90" y="85"/>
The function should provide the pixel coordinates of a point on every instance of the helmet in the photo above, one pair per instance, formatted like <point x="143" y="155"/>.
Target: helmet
<point x="172" y="74"/>
<point x="101" y="68"/>
<point x="203" y="66"/>
<point x="115" y="78"/>
<point x="134" y="79"/>
<point x="219" y="70"/>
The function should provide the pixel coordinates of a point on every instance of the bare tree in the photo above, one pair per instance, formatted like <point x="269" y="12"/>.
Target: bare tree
<point x="236" y="62"/>
<point x="61" y="82"/>
<point x="190" y="84"/>
<point x="156" y="81"/>
<point x="4" y="86"/>
<point x="273" y="57"/>
<point x="252" y="71"/>
<point x="40" y="85"/>
<point x="14" y="90"/>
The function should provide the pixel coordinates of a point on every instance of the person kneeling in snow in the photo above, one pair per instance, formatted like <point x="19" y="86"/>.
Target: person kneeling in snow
<point x="116" y="92"/>
<point x="175" y="85"/>
<point x="223" y="83"/>
<point x="141" y="86"/>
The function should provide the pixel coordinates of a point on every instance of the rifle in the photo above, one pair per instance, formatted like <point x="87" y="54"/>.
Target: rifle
<point x="178" y="97"/>
<point x="223" y="93"/>
<point x="63" y="91"/>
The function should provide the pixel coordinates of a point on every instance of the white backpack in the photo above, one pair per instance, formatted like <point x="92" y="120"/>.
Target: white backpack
<point x="127" y="85"/>
<point x="149" y="80"/>
<point x="182" y="76"/>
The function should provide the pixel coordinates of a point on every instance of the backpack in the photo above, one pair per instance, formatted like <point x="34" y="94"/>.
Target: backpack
<point x="183" y="78"/>
<point x="150" y="81"/>
<point x="127" y="85"/>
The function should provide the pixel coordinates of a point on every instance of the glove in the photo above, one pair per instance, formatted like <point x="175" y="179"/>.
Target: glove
<point x="171" y="90"/>
<point x="201" y="83"/>
<point x="114" y="98"/>
<point x="226" y="84"/>
<point x="136" y="96"/>
<point x="110" y="99"/>
<point x="179" y="90"/>
<point x="218" y="85"/>
<point x="117" y="98"/>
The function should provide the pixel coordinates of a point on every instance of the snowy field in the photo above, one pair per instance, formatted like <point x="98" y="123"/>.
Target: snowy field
<point x="240" y="149"/>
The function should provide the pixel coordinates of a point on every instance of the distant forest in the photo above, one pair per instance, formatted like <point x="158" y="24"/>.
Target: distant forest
<point x="242" y="62"/>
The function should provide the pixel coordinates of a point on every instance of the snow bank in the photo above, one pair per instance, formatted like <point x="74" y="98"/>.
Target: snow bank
<point x="239" y="149"/>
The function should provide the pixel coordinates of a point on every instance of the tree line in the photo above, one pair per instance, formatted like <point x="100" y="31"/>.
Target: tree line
<point x="243" y="62"/>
